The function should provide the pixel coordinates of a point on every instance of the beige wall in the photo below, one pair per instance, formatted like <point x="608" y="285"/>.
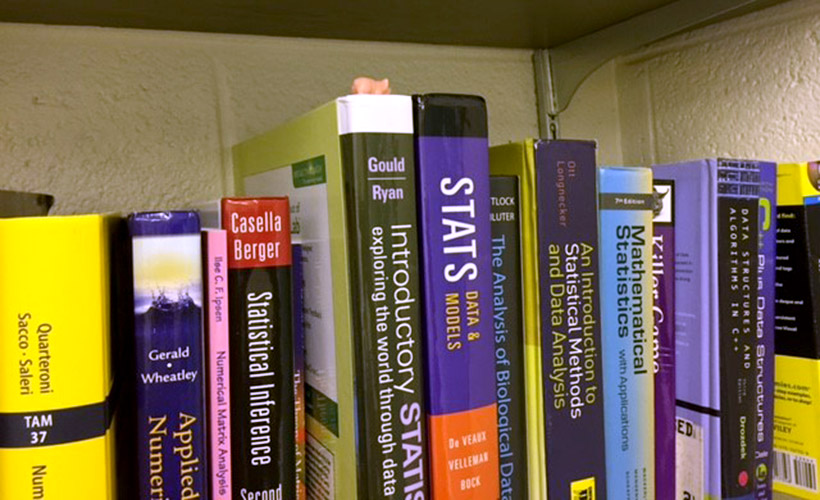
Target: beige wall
<point x="126" y="119"/>
<point x="749" y="87"/>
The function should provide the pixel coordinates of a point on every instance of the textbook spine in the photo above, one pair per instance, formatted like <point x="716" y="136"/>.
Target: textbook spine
<point x="567" y="200"/>
<point x="626" y="204"/>
<point x="508" y="324"/>
<point x="170" y="359"/>
<point x="379" y="169"/>
<point x="219" y="390"/>
<point x="454" y="206"/>
<point x="765" y="349"/>
<point x="663" y="286"/>
<point x="263" y="427"/>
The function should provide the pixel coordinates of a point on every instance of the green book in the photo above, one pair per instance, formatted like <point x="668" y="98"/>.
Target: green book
<point x="348" y="168"/>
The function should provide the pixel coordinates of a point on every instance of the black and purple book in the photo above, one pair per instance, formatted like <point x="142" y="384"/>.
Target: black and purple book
<point x="567" y="193"/>
<point x="299" y="368"/>
<point x="169" y="350"/>
<point x="765" y="332"/>
<point x="508" y="325"/>
<point x="454" y="205"/>
<point x="263" y="427"/>
<point x="663" y="292"/>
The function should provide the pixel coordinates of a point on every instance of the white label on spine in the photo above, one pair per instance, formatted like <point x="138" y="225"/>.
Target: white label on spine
<point x="378" y="114"/>
<point x="689" y="458"/>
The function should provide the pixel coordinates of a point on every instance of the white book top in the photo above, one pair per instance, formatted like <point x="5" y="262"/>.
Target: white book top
<point x="366" y="113"/>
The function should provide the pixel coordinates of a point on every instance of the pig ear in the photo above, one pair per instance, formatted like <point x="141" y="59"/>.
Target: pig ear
<point x="383" y="86"/>
<point x="361" y="85"/>
<point x="365" y="85"/>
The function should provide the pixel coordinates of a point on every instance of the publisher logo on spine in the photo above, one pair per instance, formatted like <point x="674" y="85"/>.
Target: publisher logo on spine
<point x="583" y="489"/>
<point x="664" y="194"/>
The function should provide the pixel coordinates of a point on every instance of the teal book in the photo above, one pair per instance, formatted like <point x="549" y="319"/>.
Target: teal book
<point x="625" y="213"/>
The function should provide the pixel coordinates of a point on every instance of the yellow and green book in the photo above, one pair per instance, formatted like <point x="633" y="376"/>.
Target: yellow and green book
<point x="518" y="160"/>
<point x="55" y="364"/>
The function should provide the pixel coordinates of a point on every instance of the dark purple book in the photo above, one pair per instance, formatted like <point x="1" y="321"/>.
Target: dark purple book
<point x="169" y="345"/>
<point x="298" y="285"/>
<point x="568" y="249"/>
<point x="764" y="363"/>
<point x="663" y="291"/>
<point x="454" y="204"/>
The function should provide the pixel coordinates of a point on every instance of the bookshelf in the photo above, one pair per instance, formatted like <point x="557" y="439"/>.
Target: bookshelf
<point x="569" y="41"/>
<point x="515" y="23"/>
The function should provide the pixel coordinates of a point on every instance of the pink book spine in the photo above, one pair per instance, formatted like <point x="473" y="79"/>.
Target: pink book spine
<point x="219" y="414"/>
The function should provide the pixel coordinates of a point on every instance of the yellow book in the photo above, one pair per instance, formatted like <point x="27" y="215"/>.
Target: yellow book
<point x="518" y="159"/>
<point x="55" y="371"/>
<point x="797" y="360"/>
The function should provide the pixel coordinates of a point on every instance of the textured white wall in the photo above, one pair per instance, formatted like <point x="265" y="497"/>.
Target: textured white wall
<point x="119" y="120"/>
<point x="748" y="88"/>
<point x="125" y="119"/>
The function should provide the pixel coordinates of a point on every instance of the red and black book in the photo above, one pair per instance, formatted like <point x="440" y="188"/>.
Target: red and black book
<point x="261" y="347"/>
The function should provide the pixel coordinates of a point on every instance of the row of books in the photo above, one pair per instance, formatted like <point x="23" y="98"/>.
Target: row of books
<point x="110" y="317"/>
<point x="396" y="310"/>
<point x="587" y="400"/>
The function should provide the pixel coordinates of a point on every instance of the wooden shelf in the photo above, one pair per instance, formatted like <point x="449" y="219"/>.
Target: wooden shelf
<point x="496" y="23"/>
